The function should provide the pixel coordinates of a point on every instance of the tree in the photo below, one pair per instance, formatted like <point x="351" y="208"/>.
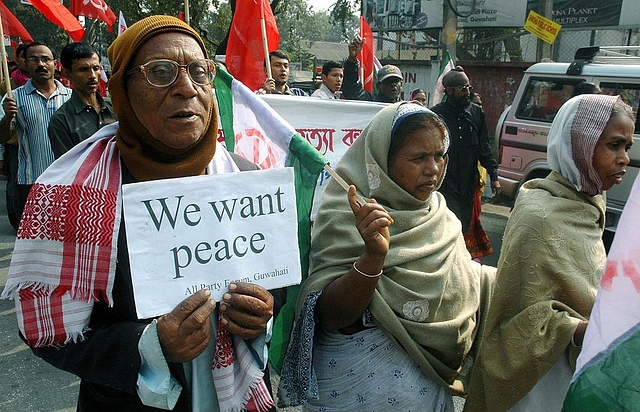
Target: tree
<point x="96" y="32"/>
<point x="295" y="23"/>
<point x="342" y="14"/>
<point x="137" y="10"/>
<point x="214" y="27"/>
<point x="489" y="44"/>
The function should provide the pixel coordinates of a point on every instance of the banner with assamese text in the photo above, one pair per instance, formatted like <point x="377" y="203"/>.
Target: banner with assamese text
<point x="331" y="126"/>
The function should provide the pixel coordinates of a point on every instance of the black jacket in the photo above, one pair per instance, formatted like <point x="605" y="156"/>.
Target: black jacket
<point x="353" y="89"/>
<point x="469" y="144"/>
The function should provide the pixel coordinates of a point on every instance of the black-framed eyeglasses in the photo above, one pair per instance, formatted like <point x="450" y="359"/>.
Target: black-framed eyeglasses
<point x="164" y="72"/>
<point x="466" y="87"/>
<point x="43" y="59"/>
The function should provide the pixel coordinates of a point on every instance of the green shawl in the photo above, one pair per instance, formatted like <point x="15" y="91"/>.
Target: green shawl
<point x="428" y="298"/>
<point x="548" y="274"/>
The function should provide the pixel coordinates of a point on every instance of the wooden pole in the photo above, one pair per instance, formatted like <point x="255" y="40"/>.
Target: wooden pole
<point x="359" y="199"/>
<point x="265" y="45"/>
<point x="450" y="30"/>
<point x="5" y="66"/>
<point x="186" y="11"/>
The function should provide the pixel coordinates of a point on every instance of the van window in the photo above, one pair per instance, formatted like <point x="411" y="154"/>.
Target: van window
<point x="630" y="93"/>
<point x="543" y="97"/>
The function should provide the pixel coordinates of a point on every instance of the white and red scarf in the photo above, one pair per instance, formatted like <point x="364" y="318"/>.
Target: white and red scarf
<point x="65" y="259"/>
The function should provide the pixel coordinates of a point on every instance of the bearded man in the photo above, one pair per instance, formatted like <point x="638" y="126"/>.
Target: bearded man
<point x="469" y="144"/>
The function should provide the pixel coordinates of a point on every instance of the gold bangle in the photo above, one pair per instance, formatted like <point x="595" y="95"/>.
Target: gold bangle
<point x="364" y="274"/>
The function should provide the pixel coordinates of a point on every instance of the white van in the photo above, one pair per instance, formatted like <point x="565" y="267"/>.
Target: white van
<point x="522" y="130"/>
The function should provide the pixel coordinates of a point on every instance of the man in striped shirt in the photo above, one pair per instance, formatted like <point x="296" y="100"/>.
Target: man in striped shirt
<point x="29" y="112"/>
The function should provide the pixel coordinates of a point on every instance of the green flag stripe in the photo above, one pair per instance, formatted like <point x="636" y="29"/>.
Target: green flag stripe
<point x="224" y="97"/>
<point x="307" y="164"/>
<point x="610" y="383"/>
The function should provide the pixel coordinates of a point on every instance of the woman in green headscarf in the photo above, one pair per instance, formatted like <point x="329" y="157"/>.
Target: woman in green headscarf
<point x="388" y="315"/>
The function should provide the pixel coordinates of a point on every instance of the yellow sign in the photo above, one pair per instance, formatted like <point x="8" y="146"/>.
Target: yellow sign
<point x="541" y="27"/>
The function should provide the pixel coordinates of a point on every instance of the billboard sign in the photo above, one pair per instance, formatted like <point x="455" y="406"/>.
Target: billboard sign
<point x="587" y="13"/>
<point x="404" y="15"/>
<point x="492" y="13"/>
<point x="593" y="14"/>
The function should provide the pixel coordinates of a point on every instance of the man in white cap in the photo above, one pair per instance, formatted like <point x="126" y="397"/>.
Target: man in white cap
<point x="389" y="79"/>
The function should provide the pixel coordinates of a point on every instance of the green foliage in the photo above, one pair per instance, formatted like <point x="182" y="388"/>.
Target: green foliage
<point x="480" y="44"/>
<point x="343" y="13"/>
<point x="137" y="10"/>
<point x="214" y="26"/>
<point x="297" y="21"/>
<point x="96" y="32"/>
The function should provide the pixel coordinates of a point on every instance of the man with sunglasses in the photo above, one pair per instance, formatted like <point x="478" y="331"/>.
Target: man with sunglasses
<point x="86" y="112"/>
<point x="469" y="144"/>
<point x="29" y="112"/>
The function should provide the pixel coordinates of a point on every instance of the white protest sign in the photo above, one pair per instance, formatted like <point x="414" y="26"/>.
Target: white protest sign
<point x="204" y="232"/>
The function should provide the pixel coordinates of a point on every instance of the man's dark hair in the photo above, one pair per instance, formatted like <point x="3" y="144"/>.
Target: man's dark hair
<point x="279" y="54"/>
<point x="276" y="53"/>
<point x="416" y="91"/>
<point x="74" y="51"/>
<point x="37" y="43"/>
<point x="21" y="48"/>
<point x="328" y="66"/>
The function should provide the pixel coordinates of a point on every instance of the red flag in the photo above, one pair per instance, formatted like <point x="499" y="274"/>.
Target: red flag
<point x="366" y="55"/>
<point x="56" y="13"/>
<point x="245" y="52"/>
<point x="11" y="26"/>
<point x="94" y="9"/>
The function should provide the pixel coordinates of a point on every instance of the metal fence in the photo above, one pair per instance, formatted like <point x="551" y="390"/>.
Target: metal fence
<point x="495" y="45"/>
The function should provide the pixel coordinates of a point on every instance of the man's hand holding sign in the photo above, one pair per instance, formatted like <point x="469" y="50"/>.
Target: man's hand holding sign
<point x="186" y="331"/>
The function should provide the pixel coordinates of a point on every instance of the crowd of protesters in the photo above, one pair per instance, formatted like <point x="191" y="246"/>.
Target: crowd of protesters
<point x="396" y="313"/>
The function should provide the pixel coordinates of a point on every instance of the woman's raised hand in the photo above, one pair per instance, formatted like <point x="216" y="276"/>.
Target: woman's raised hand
<point x="372" y="221"/>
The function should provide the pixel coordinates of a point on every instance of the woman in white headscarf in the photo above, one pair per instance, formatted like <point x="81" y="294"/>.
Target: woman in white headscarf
<point x="387" y="318"/>
<point x="551" y="262"/>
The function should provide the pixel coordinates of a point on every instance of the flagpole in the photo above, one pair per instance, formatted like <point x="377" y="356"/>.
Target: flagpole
<point x="5" y="66"/>
<point x="265" y="44"/>
<point x="361" y="70"/>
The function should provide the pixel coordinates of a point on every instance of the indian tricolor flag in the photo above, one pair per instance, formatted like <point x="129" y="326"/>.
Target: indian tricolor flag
<point x="438" y="92"/>
<point x="256" y="132"/>
<point x="607" y="376"/>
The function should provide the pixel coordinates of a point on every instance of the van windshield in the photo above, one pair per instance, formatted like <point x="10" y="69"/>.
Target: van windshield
<point x="629" y="92"/>
<point x="543" y="97"/>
